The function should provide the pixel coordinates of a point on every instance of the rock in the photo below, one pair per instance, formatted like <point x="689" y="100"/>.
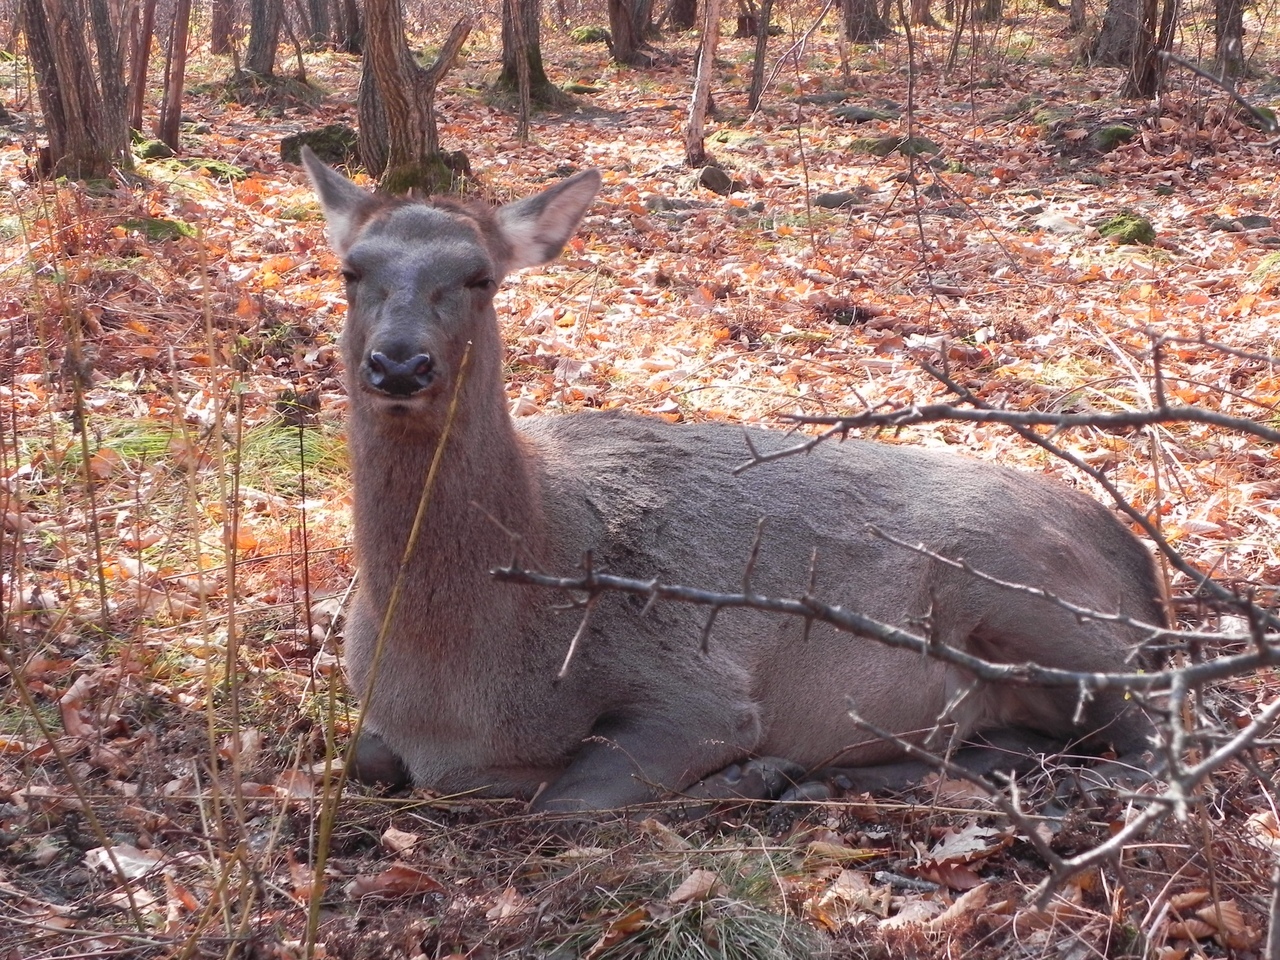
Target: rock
<point x="856" y="114"/>
<point x="717" y="181"/>
<point x="334" y="143"/>
<point x="838" y="200"/>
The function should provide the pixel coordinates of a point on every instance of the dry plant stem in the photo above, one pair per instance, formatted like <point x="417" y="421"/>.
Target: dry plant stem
<point x="796" y="49"/>
<point x="331" y="785"/>
<point x="1273" y="922"/>
<point x="900" y="417"/>
<point x="1159" y="806"/>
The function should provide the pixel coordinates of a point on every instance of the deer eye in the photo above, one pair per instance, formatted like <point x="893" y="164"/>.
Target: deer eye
<point x="350" y="275"/>
<point x="481" y="282"/>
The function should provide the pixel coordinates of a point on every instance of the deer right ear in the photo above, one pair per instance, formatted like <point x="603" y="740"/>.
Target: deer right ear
<point x="538" y="227"/>
<point x="345" y="205"/>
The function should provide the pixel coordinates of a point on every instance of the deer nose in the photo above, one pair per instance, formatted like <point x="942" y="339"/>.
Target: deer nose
<point x="399" y="378"/>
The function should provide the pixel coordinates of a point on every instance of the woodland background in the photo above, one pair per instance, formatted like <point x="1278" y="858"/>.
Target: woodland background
<point x="1062" y="231"/>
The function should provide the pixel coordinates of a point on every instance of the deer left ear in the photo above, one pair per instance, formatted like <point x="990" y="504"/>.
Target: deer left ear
<point x="346" y="206"/>
<point x="538" y="227"/>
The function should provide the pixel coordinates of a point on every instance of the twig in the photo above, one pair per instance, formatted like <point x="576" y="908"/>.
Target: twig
<point x="810" y="608"/>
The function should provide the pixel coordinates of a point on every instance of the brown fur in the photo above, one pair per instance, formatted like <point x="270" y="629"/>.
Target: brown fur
<point x="466" y="693"/>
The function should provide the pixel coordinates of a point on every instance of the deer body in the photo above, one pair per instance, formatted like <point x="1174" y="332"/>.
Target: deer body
<point x="466" y="694"/>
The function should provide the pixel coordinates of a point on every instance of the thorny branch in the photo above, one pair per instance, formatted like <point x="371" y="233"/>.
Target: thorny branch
<point x="1265" y="648"/>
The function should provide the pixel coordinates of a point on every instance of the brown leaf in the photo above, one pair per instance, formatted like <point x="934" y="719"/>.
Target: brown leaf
<point x="399" y="842"/>
<point x="698" y="886"/>
<point x="398" y="880"/>
<point x="511" y="904"/>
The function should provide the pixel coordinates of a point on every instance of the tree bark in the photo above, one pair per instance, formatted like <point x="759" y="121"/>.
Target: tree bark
<point x="695" y="154"/>
<point x="175" y="72"/>
<point x="920" y="13"/>
<point x="83" y="142"/>
<point x="321" y="26"/>
<point x="349" y="35"/>
<point x="139" y="58"/>
<point x="863" y="22"/>
<point x="627" y="33"/>
<point x="396" y="104"/>
<point x="758" y="63"/>
<point x="1127" y="39"/>
<point x="1228" y="35"/>
<point x="221" y="20"/>
<point x="684" y="14"/>
<point x="265" y="20"/>
<point x="520" y="28"/>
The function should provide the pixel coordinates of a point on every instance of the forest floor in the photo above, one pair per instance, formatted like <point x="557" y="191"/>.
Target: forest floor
<point x="174" y="496"/>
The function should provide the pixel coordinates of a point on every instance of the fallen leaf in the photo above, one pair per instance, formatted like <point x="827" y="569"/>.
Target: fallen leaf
<point x="698" y="886"/>
<point x="398" y="880"/>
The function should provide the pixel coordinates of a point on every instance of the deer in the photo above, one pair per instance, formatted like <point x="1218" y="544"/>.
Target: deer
<point x="460" y="674"/>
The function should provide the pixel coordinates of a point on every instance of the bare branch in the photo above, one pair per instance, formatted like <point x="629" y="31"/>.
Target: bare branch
<point x="934" y="412"/>
<point x="1265" y="653"/>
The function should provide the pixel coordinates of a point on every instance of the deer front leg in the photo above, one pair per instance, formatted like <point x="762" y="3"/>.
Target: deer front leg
<point x="637" y="759"/>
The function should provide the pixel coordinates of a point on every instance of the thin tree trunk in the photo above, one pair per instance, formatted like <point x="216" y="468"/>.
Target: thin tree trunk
<point x="139" y="60"/>
<point x="220" y="23"/>
<point x="626" y="34"/>
<point x="757" y="65"/>
<point x="863" y="21"/>
<point x="349" y="36"/>
<point x="1228" y="35"/>
<point x="321" y="23"/>
<point x="684" y="14"/>
<point x="695" y="154"/>
<point x="397" y="97"/>
<point x="109" y="37"/>
<point x="175" y="72"/>
<point x="521" y="32"/>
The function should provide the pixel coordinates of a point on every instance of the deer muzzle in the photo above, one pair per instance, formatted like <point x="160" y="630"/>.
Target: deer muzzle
<point x="399" y="378"/>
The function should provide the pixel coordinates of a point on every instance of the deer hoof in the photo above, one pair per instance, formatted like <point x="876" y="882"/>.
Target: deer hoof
<point x="374" y="763"/>
<point x="760" y="779"/>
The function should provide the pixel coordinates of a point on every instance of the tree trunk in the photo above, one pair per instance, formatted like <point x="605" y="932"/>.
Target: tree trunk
<point x="321" y="22"/>
<point x="399" y="140"/>
<point x="265" y="20"/>
<point x="1127" y="39"/>
<point x="349" y="35"/>
<point x="988" y="11"/>
<point x="1077" y="18"/>
<point x="139" y="58"/>
<point x="695" y="154"/>
<point x="920" y="14"/>
<point x="541" y="90"/>
<point x="758" y="63"/>
<point x="684" y="14"/>
<point x="83" y="143"/>
<point x="626" y="34"/>
<point x="221" y="20"/>
<point x="1228" y="35"/>
<point x="863" y="22"/>
<point x="175" y="73"/>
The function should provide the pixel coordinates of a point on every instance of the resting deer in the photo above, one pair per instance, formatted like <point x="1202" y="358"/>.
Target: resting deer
<point x="466" y="695"/>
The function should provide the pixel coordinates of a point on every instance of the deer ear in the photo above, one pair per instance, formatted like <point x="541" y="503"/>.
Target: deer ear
<point x="538" y="227"/>
<point x="345" y="205"/>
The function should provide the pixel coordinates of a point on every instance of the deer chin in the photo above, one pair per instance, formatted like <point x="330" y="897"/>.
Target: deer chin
<point x="414" y="405"/>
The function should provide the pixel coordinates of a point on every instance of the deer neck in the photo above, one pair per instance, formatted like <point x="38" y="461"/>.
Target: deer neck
<point x="484" y="494"/>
